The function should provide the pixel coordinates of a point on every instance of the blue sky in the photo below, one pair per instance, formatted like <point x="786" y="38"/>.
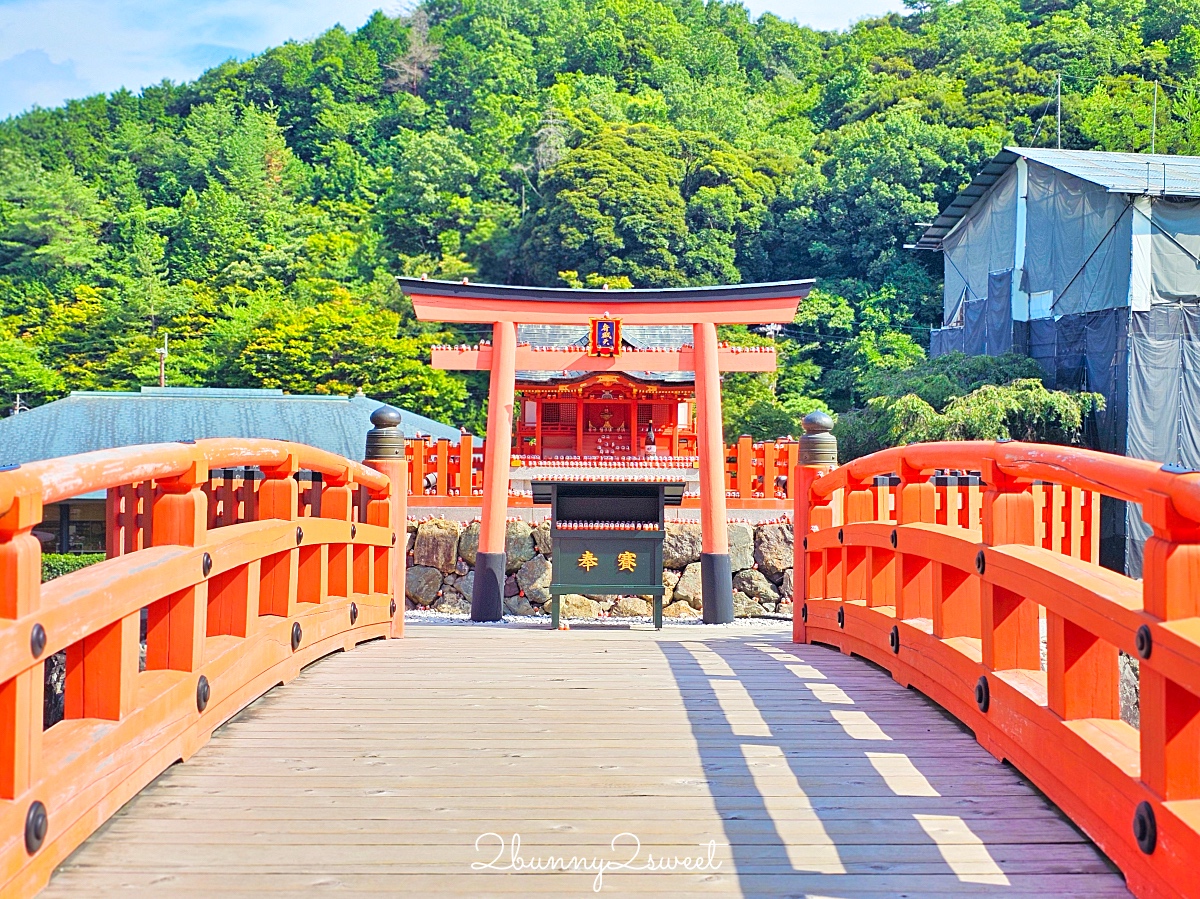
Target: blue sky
<point x="52" y="50"/>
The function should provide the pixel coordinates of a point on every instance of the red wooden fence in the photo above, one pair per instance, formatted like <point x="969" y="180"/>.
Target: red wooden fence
<point x="944" y="579"/>
<point x="754" y="471"/>
<point x="243" y="578"/>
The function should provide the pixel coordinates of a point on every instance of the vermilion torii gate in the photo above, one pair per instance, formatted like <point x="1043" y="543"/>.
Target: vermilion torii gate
<point x="503" y="307"/>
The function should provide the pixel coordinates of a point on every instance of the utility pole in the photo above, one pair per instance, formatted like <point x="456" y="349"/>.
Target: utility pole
<point x="19" y="407"/>
<point x="1154" y="119"/>
<point x="773" y="332"/>
<point x="162" y="362"/>
<point x="1059" y="104"/>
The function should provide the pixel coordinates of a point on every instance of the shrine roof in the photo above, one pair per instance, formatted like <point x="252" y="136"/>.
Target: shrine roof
<point x="638" y="337"/>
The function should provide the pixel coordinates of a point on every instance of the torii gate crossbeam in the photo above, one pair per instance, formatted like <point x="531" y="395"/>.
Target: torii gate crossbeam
<point x="503" y="307"/>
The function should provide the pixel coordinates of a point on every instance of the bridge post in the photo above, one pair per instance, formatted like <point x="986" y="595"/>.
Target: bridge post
<point x="916" y="501"/>
<point x="386" y="454"/>
<point x="487" y="595"/>
<point x="21" y="697"/>
<point x="818" y="454"/>
<point x="1170" y="711"/>
<point x="176" y="625"/>
<point x="1008" y="622"/>
<point x="279" y="497"/>
<point x="716" y="575"/>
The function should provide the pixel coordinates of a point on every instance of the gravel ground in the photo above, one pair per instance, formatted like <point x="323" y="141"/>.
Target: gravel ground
<point x="543" y="621"/>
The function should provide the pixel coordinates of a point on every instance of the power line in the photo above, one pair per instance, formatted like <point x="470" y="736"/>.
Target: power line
<point x="1041" y="119"/>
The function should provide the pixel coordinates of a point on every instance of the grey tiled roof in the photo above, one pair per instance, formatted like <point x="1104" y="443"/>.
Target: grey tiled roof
<point x="557" y="336"/>
<point x="87" y="421"/>
<point x="1157" y="174"/>
<point x="633" y="336"/>
<point x="1127" y="173"/>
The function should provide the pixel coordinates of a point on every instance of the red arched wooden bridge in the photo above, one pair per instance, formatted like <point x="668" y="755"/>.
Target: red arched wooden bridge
<point x="747" y="760"/>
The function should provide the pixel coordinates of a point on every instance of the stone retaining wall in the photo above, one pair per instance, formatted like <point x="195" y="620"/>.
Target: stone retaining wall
<point x="441" y="571"/>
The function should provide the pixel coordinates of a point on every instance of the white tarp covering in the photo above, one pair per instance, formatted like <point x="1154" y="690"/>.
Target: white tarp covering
<point x="984" y="242"/>
<point x="1175" y="251"/>
<point x="1078" y="239"/>
<point x="1164" y="398"/>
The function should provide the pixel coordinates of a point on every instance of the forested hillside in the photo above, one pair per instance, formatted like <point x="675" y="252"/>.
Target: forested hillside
<point x="258" y="215"/>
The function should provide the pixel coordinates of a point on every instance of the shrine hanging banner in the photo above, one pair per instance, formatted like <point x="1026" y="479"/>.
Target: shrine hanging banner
<point x="605" y="337"/>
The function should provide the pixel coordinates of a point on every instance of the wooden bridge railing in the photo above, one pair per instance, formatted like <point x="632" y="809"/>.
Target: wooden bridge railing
<point x="239" y="580"/>
<point x="948" y="580"/>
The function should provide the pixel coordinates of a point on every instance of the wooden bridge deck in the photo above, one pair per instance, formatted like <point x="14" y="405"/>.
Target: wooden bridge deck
<point x="375" y="771"/>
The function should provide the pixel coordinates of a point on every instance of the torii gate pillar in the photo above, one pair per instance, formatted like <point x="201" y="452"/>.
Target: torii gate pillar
<point x="716" y="575"/>
<point x="487" y="598"/>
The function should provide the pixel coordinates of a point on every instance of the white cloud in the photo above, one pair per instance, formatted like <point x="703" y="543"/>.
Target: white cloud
<point x="31" y="78"/>
<point x="53" y="50"/>
<point x="134" y="43"/>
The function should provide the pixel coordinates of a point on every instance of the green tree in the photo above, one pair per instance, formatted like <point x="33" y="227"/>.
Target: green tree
<point x="940" y="380"/>
<point x="1021" y="410"/>
<point x="250" y="212"/>
<point x="23" y="373"/>
<point x="612" y="206"/>
<point x="340" y="347"/>
<point x="50" y="221"/>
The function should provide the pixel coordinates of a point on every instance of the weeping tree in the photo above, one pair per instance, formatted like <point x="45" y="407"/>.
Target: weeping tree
<point x="1022" y="410"/>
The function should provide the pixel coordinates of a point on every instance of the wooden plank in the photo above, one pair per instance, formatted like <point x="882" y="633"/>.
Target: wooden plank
<point x="374" y="772"/>
<point x="241" y="885"/>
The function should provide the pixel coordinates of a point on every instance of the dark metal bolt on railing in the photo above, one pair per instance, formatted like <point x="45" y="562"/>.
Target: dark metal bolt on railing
<point x="36" y="825"/>
<point x="37" y="641"/>
<point x="1144" y="642"/>
<point x="983" y="693"/>
<point x="1145" y="828"/>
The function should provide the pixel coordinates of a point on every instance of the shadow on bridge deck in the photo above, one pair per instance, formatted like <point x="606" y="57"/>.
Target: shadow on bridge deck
<point x="831" y="779"/>
<point x="375" y="772"/>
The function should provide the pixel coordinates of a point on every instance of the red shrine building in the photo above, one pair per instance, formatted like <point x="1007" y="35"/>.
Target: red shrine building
<point x="609" y="413"/>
